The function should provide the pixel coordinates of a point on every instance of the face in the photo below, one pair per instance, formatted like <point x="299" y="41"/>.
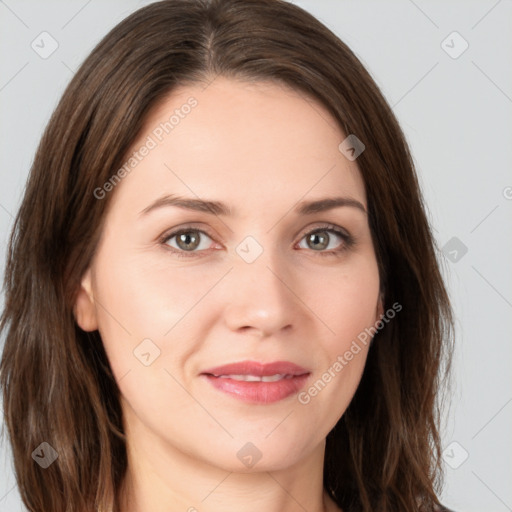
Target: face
<point x="257" y="281"/>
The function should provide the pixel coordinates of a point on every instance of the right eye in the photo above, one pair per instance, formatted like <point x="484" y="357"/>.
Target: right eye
<point x="187" y="241"/>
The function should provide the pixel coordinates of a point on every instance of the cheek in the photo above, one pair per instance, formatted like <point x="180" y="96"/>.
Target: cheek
<point x="347" y="304"/>
<point x="148" y="313"/>
<point x="144" y="318"/>
<point x="142" y="294"/>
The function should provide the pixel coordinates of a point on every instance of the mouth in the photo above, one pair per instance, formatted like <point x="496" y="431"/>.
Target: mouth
<point x="258" y="383"/>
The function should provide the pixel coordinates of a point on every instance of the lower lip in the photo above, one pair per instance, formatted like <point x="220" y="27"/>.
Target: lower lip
<point x="259" y="392"/>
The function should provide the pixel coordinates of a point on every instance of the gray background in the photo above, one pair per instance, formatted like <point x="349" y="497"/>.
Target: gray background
<point x="457" y="116"/>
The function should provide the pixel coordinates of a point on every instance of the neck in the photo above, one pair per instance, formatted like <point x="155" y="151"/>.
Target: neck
<point x="161" y="478"/>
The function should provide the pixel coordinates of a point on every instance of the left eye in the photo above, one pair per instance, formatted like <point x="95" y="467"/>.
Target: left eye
<point x="322" y="239"/>
<point x="188" y="240"/>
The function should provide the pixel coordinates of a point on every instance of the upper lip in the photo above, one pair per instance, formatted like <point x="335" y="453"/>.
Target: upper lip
<point x="257" y="369"/>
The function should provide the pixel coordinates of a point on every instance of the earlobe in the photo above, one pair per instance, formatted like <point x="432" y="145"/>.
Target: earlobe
<point x="85" y="308"/>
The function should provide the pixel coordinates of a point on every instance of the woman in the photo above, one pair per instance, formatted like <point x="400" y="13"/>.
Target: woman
<point x="222" y="290"/>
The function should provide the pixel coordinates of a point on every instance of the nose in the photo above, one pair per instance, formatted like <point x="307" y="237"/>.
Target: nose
<point x="261" y="298"/>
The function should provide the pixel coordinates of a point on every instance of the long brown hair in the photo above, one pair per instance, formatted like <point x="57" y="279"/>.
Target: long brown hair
<point x="384" y="454"/>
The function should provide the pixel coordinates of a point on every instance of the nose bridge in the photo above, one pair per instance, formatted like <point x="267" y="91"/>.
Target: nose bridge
<point x="260" y="263"/>
<point x="261" y="295"/>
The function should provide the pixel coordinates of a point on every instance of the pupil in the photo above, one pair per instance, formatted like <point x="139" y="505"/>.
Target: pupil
<point x="185" y="239"/>
<point x="314" y="236"/>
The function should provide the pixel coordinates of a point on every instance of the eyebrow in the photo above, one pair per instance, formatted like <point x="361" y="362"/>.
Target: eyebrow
<point x="219" y="208"/>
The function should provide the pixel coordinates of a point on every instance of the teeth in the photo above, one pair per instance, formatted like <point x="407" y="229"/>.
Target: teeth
<point x="272" y="378"/>
<point x="255" y="378"/>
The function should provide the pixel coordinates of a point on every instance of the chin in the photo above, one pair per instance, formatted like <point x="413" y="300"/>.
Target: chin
<point x="256" y="455"/>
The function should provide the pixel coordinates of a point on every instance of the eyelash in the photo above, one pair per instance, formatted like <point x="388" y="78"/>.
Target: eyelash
<point x="348" y="240"/>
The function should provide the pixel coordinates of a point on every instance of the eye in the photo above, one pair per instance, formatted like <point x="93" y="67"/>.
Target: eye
<point x="319" y="239"/>
<point x="191" y="241"/>
<point x="187" y="240"/>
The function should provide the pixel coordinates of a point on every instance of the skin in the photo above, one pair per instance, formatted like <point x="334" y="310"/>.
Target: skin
<point x="260" y="148"/>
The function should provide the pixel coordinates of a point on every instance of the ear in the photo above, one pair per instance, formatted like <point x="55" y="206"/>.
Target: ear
<point x="85" y="308"/>
<point x="379" y="310"/>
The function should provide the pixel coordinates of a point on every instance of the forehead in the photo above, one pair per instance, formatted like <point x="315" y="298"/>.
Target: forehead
<point x="261" y="142"/>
